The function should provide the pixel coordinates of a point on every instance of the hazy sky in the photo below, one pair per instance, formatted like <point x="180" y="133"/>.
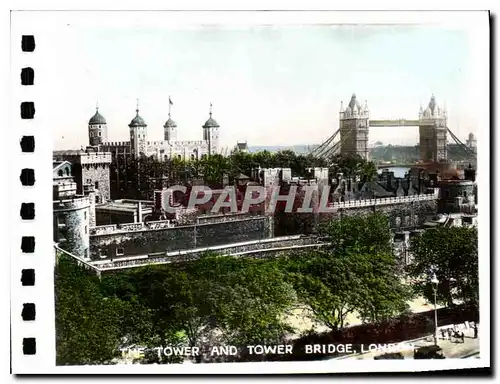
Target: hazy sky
<point x="278" y="85"/>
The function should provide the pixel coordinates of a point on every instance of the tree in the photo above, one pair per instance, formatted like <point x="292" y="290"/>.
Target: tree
<point x="356" y="273"/>
<point x="87" y="325"/>
<point x="370" y="233"/>
<point x="243" y="298"/>
<point x="451" y="253"/>
<point x="335" y="286"/>
<point x="352" y="166"/>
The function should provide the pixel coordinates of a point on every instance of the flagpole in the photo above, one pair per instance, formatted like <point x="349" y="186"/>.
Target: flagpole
<point x="169" y="105"/>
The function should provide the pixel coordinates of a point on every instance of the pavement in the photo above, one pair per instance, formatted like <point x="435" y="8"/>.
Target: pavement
<point x="303" y="320"/>
<point x="452" y="349"/>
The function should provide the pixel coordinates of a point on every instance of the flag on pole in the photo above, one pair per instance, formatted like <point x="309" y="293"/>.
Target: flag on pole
<point x="170" y="101"/>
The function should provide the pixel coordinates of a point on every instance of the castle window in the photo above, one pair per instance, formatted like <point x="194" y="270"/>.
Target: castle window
<point x="60" y="173"/>
<point x="103" y="253"/>
<point x="67" y="171"/>
<point x="192" y="156"/>
<point x="96" y="185"/>
<point x="120" y="252"/>
<point x="61" y="220"/>
<point x="397" y="221"/>
<point x="85" y="215"/>
<point x="85" y="229"/>
<point x="100" y="132"/>
<point x="97" y="199"/>
<point x="465" y="193"/>
<point x="99" y="127"/>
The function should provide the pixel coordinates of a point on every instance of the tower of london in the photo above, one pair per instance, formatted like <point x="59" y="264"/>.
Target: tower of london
<point x="140" y="144"/>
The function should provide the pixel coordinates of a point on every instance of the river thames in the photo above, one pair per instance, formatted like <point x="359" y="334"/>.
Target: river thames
<point x="398" y="171"/>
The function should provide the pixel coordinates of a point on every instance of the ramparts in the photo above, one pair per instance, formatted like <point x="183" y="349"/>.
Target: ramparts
<point x="257" y="248"/>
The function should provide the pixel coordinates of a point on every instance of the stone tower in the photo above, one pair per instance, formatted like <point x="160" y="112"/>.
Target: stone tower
<point x="170" y="127"/>
<point x="98" y="129"/>
<point x="433" y="132"/>
<point x="211" y="134"/>
<point x="138" y="134"/>
<point x="354" y="128"/>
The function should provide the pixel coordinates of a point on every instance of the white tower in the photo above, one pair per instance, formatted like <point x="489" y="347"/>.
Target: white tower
<point x="138" y="134"/>
<point x="211" y="134"/>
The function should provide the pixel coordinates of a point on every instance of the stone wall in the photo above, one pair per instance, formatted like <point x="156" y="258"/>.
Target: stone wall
<point x="71" y="225"/>
<point x="401" y="215"/>
<point x="255" y="249"/>
<point x="99" y="173"/>
<point x="141" y="242"/>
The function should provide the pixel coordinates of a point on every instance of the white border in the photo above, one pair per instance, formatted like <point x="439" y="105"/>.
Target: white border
<point x="42" y="261"/>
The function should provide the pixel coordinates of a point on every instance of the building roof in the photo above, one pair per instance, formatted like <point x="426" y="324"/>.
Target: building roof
<point x="170" y="123"/>
<point x="137" y="121"/>
<point x="58" y="164"/>
<point x="97" y="118"/>
<point x="211" y="123"/>
<point x="354" y="103"/>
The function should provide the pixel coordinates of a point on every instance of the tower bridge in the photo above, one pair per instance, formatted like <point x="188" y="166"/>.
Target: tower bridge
<point x="354" y="124"/>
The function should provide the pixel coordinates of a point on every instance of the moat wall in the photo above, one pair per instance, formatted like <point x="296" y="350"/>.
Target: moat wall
<point x="144" y="242"/>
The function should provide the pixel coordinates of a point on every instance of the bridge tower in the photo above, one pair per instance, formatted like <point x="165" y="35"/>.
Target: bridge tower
<point x="433" y="132"/>
<point x="354" y="129"/>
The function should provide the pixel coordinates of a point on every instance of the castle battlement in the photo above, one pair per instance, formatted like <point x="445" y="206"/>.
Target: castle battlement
<point x="95" y="158"/>
<point x="74" y="203"/>
<point x="131" y="227"/>
<point x="385" y="201"/>
<point x="116" y="144"/>
<point x="190" y="142"/>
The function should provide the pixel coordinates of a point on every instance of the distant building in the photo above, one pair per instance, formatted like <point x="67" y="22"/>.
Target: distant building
<point x="471" y="141"/>
<point x="241" y="147"/>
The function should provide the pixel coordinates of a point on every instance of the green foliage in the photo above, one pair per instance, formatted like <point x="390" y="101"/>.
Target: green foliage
<point x="351" y="166"/>
<point x="370" y="233"/>
<point x="88" y="329"/>
<point x="357" y="274"/>
<point x="452" y="253"/>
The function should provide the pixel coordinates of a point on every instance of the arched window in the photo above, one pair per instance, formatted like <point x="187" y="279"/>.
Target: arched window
<point x="397" y="221"/>
<point x="60" y="173"/>
<point x="192" y="156"/>
<point x="67" y="171"/>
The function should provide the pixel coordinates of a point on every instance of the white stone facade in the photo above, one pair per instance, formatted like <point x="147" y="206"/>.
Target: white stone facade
<point x="168" y="148"/>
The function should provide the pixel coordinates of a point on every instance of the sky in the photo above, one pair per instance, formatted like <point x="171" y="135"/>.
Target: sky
<point x="269" y="84"/>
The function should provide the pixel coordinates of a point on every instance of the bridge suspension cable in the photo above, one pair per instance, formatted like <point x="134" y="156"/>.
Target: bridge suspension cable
<point x="324" y="146"/>
<point x="461" y="145"/>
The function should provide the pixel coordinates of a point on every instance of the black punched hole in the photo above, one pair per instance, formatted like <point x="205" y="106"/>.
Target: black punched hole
<point x="27" y="176"/>
<point x="27" y="110"/>
<point x="29" y="312"/>
<point x="28" y="244"/>
<point x="28" y="277"/>
<point x="29" y="346"/>
<point x="27" y="76"/>
<point x="28" y="43"/>
<point x="28" y="211"/>
<point x="28" y="143"/>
